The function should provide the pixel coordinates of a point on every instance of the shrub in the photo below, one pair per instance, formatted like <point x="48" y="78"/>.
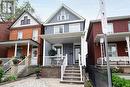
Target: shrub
<point x="1" y="73"/>
<point x="11" y="78"/>
<point x="52" y="52"/>
<point x="15" y="61"/>
<point x="88" y="84"/>
<point x="120" y="82"/>
<point x="37" y="70"/>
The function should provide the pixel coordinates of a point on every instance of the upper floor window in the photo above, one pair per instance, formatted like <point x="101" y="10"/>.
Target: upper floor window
<point x="35" y="34"/>
<point x="63" y="16"/>
<point x="20" y="35"/>
<point x="129" y="25"/>
<point x="74" y="27"/>
<point x="58" y="29"/>
<point x="25" y="21"/>
<point x="110" y="28"/>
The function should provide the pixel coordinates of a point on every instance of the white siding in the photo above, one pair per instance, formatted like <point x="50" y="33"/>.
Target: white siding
<point x="18" y="22"/>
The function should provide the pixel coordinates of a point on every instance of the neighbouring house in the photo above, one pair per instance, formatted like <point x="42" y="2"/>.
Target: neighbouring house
<point x="4" y="36"/>
<point x="118" y="42"/>
<point x="24" y="38"/>
<point x="64" y="36"/>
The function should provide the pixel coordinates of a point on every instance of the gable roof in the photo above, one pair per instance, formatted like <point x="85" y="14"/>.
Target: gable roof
<point x="23" y="14"/>
<point x="66" y="7"/>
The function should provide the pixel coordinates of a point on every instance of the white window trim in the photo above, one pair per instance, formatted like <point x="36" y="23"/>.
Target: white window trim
<point x="111" y="27"/>
<point x="58" y="28"/>
<point x="76" y="29"/>
<point x="115" y="46"/>
<point x="33" y="37"/>
<point x="19" y="37"/>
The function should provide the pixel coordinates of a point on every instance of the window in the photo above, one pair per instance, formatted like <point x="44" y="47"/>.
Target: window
<point x="63" y="16"/>
<point x="20" y="35"/>
<point x="35" y="35"/>
<point x="112" y="50"/>
<point x="7" y="7"/>
<point x="110" y="28"/>
<point x="25" y="21"/>
<point x="74" y="27"/>
<point x="58" y="29"/>
<point x="129" y="25"/>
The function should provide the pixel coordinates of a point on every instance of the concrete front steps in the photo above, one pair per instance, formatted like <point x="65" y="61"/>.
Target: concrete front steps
<point x="72" y="74"/>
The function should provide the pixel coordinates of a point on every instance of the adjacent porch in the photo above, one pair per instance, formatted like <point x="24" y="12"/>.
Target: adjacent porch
<point x="20" y="49"/>
<point x="118" y="49"/>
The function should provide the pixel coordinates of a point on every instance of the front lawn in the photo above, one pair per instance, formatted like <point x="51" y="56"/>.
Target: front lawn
<point x="120" y="82"/>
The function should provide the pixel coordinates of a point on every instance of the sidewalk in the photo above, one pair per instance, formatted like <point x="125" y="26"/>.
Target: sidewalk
<point x="43" y="82"/>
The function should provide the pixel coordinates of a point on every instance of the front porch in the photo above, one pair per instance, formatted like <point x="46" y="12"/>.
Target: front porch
<point x="118" y="49"/>
<point x="20" y="49"/>
<point x="66" y="45"/>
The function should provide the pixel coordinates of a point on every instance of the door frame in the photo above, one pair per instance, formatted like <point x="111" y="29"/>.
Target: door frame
<point x="74" y="44"/>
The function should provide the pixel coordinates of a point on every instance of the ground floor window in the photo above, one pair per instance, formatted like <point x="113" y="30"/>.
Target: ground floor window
<point x="112" y="50"/>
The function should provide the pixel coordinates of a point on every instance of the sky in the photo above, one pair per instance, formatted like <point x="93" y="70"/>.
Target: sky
<point x="89" y="9"/>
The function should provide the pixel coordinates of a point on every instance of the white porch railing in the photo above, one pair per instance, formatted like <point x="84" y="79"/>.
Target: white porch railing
<point x="80" y="65"/>
<point x="54" y="60"/>
<point x="120" y="60"/>
<point x="63" y="66"/>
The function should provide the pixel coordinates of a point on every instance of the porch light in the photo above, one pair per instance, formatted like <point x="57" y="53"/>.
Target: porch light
<point x="102" y="40"/>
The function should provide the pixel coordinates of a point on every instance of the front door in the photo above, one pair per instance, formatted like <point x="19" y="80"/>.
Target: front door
<point x="68" y="49"/>
<point x="34" y="56"/>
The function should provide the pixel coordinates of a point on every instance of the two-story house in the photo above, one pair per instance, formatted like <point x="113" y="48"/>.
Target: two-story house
<point x="64" y="33"/>
<point x="118" y="42"/>
<point x="24" y="38"/>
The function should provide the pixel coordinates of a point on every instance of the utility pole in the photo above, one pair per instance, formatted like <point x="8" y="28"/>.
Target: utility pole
<point x="104" y="30"/>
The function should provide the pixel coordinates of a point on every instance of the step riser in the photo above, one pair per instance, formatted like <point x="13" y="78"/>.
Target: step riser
<point x="71" y="75"/>
<point x="78" y="79"/>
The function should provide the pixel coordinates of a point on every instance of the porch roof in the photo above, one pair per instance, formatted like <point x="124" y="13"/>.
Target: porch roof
<point x="63" y="37"/>
<point x="19" y="42"/>
<point x="113" y="37"/>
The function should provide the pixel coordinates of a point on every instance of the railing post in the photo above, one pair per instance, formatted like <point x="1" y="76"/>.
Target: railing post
<point x="66" y="58"/>
<point x="79" y="59"/>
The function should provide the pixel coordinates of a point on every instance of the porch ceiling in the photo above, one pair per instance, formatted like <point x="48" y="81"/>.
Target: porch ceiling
<point x="19" y="43"/>
<point x="63" y="38"/>
<point x="114" y="37"/>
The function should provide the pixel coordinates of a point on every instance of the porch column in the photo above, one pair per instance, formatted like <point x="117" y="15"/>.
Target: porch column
<point x="28" y="48"/>
<point x="82" y="51"/>
<point x="44" y="41"/>
<point x="15" y="52"/>
<point x="128" y="46"/>
<point x="101" y="46"/>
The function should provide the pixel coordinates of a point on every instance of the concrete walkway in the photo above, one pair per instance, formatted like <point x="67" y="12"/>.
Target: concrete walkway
<point x="43" y="82"/>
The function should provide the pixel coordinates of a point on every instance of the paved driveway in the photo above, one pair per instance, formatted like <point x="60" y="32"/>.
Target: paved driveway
<point x="43" y="82"/>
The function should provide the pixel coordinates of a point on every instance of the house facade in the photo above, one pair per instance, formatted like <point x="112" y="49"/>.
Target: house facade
<point x="24" y="38"/>
<point x="118" y="42"/>
<point x="64" y="33"/>
<point x="4" y="36"/>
